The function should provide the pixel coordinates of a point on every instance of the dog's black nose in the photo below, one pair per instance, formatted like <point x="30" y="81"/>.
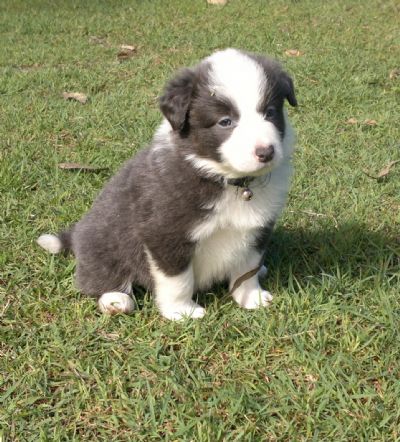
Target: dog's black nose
<point x="265" y="153"/>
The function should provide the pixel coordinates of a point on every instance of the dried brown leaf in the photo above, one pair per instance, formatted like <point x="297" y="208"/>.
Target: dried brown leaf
<point x="384" y="172"/>
<point x="28" y="67"/>
<point x="124" y="55"/>
<point x="311" y="381"/>
<point x="370" y="122"/>
<point x="128" y="48"/>
<point x="318" y="215"/>
<point x="394" y="73"/>
<point x="310" y="378"/>
<point x="378" y="387"/>
<point x="293" y="52"/>
<point x="352" y="121"/>
<point x="77" y="96"/>
<point x="217" y="2"/>
<point x="110" y="336"/>
<point x="126" y="52"/>
<point x="102" y="41"/>
<point x="83" y="167"/>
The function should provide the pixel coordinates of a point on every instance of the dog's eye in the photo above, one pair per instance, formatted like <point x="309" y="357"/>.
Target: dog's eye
<point x="225" y="122"/>
<point x="270" y="112"/>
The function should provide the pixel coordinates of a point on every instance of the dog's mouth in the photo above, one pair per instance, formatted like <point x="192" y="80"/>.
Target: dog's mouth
<point x="228" y="170"/>
<point x="260" y="170"/>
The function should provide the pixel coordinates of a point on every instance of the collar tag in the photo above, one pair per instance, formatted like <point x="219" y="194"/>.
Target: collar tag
<point x="247" y="194"/>
<point x="243" y="183"/>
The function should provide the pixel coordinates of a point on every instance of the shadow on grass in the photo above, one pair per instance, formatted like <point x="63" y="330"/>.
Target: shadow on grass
<point x="351" y="248"/>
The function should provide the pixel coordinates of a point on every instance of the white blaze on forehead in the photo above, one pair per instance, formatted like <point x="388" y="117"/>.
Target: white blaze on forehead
<point x="237" y="76"/>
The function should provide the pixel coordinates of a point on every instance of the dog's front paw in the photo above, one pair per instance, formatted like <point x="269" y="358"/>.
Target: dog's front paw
<point x="252" y="299"/>
<point x="178" y="312"/>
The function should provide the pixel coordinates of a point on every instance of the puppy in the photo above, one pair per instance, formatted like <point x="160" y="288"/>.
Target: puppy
<point x="196" y="206"/>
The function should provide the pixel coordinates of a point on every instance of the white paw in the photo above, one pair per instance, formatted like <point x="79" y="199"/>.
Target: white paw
<point x="262" y="273"/>
<point x="116" y="302"/>
<point x="177" y="312"/>
<point x="253" y="299"/>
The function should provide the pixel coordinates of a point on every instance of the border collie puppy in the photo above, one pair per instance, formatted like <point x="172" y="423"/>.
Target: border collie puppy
<point x="196" y="206"/>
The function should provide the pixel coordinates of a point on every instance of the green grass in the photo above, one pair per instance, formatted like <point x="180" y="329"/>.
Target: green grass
<point x="322" y="363"/>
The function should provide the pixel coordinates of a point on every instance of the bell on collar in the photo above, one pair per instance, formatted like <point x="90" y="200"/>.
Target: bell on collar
<point x="247" y="194"/>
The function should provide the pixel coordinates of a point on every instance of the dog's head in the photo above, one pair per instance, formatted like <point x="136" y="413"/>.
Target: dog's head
<point x="227" y="113"/>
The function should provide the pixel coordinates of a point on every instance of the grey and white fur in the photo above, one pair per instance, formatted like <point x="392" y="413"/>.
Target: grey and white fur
<point x="172" y="219"/>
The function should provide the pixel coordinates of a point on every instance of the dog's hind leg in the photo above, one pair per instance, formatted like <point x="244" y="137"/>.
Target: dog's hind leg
<point x="116" y="302"/>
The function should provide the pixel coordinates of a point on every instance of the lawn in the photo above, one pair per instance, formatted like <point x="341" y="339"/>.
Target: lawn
<point x="323" y="362"/>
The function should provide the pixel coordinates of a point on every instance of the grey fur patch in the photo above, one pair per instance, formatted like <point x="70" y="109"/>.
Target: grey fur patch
<point x="263" y="236"/>
<point x="155" y="200"/>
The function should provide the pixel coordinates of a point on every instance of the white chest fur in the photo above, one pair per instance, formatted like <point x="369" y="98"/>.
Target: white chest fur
<point x="224" y="238"/>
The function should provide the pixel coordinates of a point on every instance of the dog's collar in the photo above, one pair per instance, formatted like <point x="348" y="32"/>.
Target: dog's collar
<point x="243" y="183"/>
<point x="240" y="182"/>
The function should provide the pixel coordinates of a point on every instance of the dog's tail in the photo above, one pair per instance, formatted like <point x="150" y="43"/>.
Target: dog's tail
<point x="56" y="243"/>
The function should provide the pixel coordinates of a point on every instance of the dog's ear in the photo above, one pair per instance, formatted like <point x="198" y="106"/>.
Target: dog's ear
<point x="175" y="102"/>
<point x="289" y="89"/>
